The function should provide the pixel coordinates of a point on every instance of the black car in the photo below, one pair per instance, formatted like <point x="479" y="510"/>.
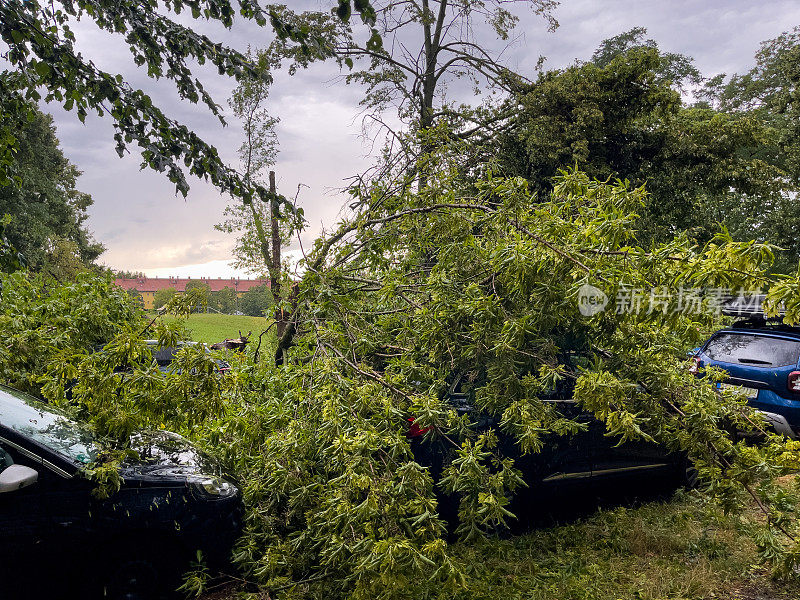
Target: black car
<point x="585" y="466"/>
<point x="173" y="502"/>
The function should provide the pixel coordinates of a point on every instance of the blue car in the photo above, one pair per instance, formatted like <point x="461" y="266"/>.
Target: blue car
<point x="762" y="358"/>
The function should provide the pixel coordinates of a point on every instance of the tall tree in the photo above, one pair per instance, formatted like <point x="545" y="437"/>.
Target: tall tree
<point x="202" y="293"/>
<point x="621" y="117"/>
<point x="770" y="90"/>
<point x="47" y="212"/>
<point x="163" y="296"/>
<point x="261" y="228"/>
<point x="770" y="93"/>
<point x="417" y="49"/>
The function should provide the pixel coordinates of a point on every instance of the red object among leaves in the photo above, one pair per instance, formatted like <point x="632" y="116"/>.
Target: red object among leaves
<point x="415" y="430"/>
<point x="793" y="381"/>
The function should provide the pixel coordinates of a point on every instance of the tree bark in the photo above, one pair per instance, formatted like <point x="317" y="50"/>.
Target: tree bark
<point x="275" y="257"/>
<point x="432" y="34"/>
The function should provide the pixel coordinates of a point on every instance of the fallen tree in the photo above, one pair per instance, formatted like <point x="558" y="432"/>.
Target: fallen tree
<point x="482" y="279"/>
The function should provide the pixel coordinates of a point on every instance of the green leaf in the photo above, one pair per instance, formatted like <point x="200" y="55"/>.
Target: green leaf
<point x="343" y="11"/>
<point x="42" y="69"/>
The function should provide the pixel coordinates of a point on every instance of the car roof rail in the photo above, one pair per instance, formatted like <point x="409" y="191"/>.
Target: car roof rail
<point x="757" y="321"/>
<point x="750" y="322"/>
<point x="771" y="323"/>
<point x="750" y="310"/>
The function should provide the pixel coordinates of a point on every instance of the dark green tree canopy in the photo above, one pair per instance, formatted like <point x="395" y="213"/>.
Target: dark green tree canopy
<point x="620" y="117"/>
<point x="224" y="301"/>
<point x="256" y="301"/>
<point x="45" y="207"/>
<point x="203" y="293"/>
<point x="673" y="68"/>
<point x="162" y="297"/>
<point x="601" y="117"/>
<point x="771" y="90"/>
<point x="11" y="259"/>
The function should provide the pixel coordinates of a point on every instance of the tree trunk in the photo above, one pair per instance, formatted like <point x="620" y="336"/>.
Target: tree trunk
<point x="275" y="256"/>
<point x="431" y="47"/>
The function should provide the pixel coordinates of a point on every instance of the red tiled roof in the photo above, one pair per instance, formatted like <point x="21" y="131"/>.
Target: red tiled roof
<point x="153" y="284"/>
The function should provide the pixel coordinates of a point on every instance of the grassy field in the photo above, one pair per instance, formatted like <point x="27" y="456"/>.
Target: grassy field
<point x="212" y="327"/>
<point x="658" y="550"/>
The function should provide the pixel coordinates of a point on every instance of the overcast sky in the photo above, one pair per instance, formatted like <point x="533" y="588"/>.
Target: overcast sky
<point x="146" y="227"/>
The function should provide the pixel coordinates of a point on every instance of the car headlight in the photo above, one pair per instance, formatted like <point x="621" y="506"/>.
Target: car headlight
<point x="213" y="487"/>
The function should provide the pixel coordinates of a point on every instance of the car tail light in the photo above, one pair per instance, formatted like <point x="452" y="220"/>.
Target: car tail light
<point x="415" y="430"/>
<point x="793" y="381"/>
<point x="694" y="369"/>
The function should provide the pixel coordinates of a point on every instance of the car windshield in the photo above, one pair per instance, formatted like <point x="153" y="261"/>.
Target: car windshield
<point x="165" y="355"/>
<point x="46" y="426"/>
<point x="754" y="350"/>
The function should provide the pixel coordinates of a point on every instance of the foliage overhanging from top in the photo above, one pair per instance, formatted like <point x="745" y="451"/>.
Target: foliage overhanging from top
<point x="40" y="46"/>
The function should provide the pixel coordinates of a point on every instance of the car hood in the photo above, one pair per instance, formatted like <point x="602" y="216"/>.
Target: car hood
<point x="163" y="453"/>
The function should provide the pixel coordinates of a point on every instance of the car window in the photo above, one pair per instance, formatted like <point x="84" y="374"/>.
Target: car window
<point x="164" y="356"/>
<point x="46" y="426"/>
<point x="756" y="350"/>
<point x="578" y="360"/>
<point x="5" y="459"/>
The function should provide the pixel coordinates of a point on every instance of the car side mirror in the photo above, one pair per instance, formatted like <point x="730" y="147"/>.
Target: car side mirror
<point x="17" y="477"/>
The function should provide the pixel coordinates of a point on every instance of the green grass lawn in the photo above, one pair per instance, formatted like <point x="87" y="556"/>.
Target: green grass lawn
<point x="663" y="550"/>
<point x="213" y="327"/>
